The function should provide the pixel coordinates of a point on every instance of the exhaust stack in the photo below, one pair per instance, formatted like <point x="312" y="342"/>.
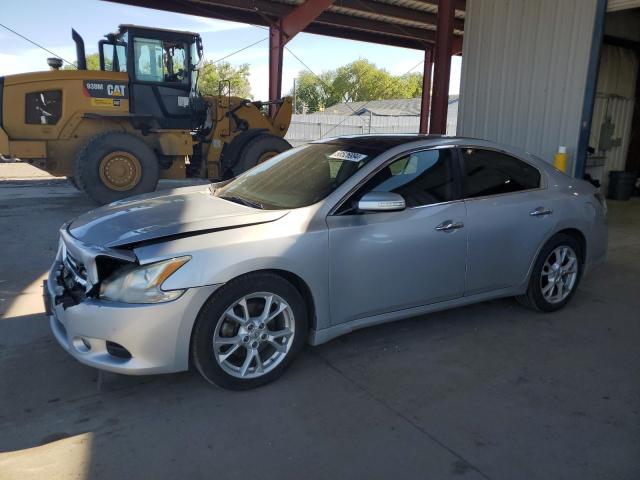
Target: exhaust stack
<point x="81" y="58"/>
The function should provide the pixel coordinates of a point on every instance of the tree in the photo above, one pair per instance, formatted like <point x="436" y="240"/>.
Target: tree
<point x="355" y="82"/>
<point x="93" y="63"/>
<point x="212" y="74"/>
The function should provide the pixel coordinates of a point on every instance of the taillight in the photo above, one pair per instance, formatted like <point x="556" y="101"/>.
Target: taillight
<point x="601" y="200"/>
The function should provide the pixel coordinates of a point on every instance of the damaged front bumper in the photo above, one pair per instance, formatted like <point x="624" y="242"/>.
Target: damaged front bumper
<point x="124" y="338"/>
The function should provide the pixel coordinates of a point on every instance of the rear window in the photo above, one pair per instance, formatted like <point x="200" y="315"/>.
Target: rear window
<point x="488" y="172"/>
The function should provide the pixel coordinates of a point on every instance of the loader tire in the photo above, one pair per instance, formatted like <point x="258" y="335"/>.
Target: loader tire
<point x="115" y="165"/>
<point x="258" y="150"/>
<point x="72" y="182"/>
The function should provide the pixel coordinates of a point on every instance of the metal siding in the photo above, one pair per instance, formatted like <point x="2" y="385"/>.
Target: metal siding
<point x="615" y="98"/>
<point x="615" y="5"/>
<point x="524" y="72"/>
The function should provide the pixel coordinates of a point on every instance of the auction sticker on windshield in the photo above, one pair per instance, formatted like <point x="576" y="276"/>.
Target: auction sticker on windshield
<point x="349" y="156"/>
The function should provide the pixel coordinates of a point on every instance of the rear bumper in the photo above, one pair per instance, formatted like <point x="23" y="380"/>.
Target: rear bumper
<point x="156" y="335"/>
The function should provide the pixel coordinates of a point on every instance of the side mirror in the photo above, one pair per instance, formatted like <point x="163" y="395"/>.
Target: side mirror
<point x="381" y="202"/>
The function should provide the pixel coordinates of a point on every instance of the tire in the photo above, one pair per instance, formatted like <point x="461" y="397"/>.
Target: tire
<point x="231" y="153"/>
<point x="255" y="151"/>
<point x="73" y="183"/>
<point x="141" y="169"/>
<point x="245" y="341"/>
<point x="542" y="294"/>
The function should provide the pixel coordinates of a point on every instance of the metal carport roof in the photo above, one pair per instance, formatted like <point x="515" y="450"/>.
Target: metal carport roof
<point x="434" y="26"/>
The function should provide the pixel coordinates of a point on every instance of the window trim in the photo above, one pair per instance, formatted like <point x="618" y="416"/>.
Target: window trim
<point x="456" y="171"/>
<point x="461" y="168"/>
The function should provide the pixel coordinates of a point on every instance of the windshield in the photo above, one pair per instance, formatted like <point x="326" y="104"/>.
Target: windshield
<point x="298" y="177"/>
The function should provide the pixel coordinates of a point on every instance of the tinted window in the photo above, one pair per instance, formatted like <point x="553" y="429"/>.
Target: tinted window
<point x="422" y="178"/>
<point x="487" y="172"/>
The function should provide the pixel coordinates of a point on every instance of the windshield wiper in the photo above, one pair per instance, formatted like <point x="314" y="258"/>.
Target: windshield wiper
<point x="243" y="201"/>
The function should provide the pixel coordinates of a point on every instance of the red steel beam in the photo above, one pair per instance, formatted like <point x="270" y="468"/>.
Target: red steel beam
<point x="284" y="30"/>
<point x="301" y="16"/>
<point x="442" y="67"/>
<point x="426" y="91"/>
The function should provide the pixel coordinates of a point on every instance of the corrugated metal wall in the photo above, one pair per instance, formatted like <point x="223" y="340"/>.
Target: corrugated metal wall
<point x="524" y="72"/>
<point x="615" y="98"/>
<point x="615" y="5"/>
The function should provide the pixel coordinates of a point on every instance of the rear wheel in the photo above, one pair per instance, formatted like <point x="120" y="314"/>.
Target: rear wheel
<point x="257" y="150"/>
<point x="116" y="165"/>
<point x="248" y="331"/>
<point x="555" y="275"/>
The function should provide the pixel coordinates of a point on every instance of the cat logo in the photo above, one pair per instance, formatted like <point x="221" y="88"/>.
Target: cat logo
<point x="105" y="89"/>
<point x="115" y="90"/>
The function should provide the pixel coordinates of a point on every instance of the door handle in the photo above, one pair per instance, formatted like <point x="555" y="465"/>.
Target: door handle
<point x="541" y="212"/>
<point x="449" y="226"/>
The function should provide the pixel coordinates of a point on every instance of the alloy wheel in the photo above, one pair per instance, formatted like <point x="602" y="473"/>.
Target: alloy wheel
<point x="559" y="274"/>
<point x="254" y="335"/>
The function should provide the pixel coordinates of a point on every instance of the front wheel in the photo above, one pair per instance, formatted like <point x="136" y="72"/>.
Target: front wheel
<point x="116" y="165"/>
<point x="555" y="275"/>
<point x="248" y="332"/>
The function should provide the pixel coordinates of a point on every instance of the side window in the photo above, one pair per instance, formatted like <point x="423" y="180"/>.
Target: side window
<point x="110" y="53"/>
<point x="43" y="108"/>
<point x="158" y="61"/>
<point x="422" y="178"/>
<point x="487" y="172"/>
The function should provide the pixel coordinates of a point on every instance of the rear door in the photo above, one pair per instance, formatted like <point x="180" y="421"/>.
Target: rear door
<point x="387" y="261"/>
<point x="509" y="216"/>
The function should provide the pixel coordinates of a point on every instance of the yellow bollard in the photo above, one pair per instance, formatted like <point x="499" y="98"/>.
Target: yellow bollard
<point x="560" y="159"/>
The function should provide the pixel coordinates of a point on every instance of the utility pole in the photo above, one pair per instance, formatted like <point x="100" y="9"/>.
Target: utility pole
<point x="295" y="96"/>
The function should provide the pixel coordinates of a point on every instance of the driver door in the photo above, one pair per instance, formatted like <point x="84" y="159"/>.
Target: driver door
<point x="388" y="261"/>
<point x="161" y="83"/>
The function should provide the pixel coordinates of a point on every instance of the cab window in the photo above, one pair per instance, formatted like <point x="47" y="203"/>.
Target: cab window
<point x="158" y="61"/>
<point x="115" y="57"/>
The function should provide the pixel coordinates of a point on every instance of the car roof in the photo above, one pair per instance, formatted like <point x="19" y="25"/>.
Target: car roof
<point x="394" y="139"/>
<point x="384" y="142"/>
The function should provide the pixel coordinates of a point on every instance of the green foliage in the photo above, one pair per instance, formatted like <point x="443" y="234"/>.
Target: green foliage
<point x="357" y="81"/>
<point x="212" y="74"/>
<point x="93" y="63"/>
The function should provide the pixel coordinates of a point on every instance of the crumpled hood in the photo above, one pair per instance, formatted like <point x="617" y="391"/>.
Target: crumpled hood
<point x="173" y="212"/>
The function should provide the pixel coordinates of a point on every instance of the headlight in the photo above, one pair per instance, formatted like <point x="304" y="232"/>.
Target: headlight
<point x="142" y="284"/>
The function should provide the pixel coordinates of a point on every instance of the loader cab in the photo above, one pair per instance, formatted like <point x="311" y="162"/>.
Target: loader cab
<point x="162" y="68"/>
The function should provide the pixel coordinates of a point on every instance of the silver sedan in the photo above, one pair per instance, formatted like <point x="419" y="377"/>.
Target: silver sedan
<point x="314" y="243"/>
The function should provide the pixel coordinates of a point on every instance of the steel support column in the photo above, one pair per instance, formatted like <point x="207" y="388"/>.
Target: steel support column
<point x="426" y="91"/>
<point x="284" y="30"/>
<point x="276" y="51"/>
<point x="442" y="67"/>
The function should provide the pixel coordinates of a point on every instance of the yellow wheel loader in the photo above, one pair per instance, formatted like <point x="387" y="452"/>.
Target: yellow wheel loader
<point x="114" y="132"/>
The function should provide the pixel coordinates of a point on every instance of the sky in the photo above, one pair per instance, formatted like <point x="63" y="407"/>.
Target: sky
<point x="49" y="23"/>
